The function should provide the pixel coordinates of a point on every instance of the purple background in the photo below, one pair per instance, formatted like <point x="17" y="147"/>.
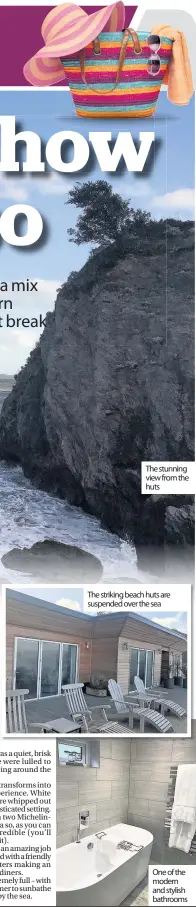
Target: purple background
<point x="20" y="30"/>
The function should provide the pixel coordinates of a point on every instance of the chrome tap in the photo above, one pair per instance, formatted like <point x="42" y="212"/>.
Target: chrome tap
<point x="78" y="837"/>
<point x="83" y="822"/>
<point x="100" y="834"/>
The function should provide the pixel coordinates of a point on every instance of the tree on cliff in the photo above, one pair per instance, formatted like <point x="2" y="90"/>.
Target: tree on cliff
<point x="105" y="215"/>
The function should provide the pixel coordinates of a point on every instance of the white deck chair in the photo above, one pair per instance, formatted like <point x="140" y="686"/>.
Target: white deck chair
<point x="134" y="711"/>
<point x="16" y="720"/>
<point x="79" y="710"/>
<point x="150" y="696"/>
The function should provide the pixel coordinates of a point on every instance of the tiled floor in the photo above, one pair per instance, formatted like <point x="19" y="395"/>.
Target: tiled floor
<point x="55" y="707"/>
<point x="141" y="900"/>
<point x="138" y="897"/>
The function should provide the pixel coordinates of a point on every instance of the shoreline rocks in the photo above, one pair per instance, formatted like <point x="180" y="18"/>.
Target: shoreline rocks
<point x="55" y="561"/>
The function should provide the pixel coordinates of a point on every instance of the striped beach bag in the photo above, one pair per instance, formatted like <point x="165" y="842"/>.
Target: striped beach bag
<point x="119" y="74"/>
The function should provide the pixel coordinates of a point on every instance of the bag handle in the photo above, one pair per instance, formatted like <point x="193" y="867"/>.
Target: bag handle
<point x="96" y="45"/>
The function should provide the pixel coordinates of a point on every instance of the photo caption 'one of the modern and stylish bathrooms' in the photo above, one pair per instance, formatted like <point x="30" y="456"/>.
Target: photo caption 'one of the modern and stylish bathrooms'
<point x="116" y="803"/>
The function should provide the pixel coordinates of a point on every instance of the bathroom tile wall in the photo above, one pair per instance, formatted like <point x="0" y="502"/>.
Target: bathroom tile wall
<point x="104" y="791"/>
<point x="149" y="777"/>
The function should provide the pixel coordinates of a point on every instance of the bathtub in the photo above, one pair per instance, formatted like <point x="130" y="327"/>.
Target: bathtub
<point x="103" y="874"/>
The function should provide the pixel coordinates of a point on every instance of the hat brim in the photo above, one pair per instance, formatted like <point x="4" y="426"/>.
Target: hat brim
<point x="44" y="68"/>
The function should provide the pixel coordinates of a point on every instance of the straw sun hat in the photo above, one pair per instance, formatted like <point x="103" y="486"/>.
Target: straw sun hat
<point x="65" y="31"/>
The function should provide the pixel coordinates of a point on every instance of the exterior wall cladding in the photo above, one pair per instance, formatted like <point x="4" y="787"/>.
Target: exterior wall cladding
<point x="104" y="642"/>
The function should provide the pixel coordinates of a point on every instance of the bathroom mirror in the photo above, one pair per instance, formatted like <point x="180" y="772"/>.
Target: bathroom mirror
<point x="79" y="752"/>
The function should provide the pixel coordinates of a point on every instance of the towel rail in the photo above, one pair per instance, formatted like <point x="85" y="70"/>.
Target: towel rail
<point x="170" y="800"/>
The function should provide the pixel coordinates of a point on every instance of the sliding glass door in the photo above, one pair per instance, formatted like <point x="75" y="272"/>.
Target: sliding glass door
<point x="141" y="665"/>
<point x="149" y="669"/>
<point x="133" y="666"/>
<point x="43" y="667"/>
<point x="69" y="664"/>
<point x="26" y="666"/>
<point x="49" y="683"/>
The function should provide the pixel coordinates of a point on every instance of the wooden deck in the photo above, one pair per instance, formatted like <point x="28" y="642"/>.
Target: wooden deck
<point x="55" y="707"/>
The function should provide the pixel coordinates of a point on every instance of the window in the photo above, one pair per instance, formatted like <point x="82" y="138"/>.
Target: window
<point x="43" y="667"/>
<point x="133" y="665"/>
<point x="71" y="754"/>
<point x="141" y="665"/>
<point x="26" y="671"/>
<point x="69" y="659"/>
<point x="149" y="669"/>
<point x="50" y="668"/>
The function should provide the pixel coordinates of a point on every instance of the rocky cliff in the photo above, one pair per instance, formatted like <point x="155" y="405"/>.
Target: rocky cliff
<point x="111" y="383"/>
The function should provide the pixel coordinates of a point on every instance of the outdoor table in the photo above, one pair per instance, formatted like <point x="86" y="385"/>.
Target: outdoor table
<point x="62" y="726"/>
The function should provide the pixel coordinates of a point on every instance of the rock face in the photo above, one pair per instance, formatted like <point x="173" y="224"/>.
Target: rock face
<point x="179" y="524"/>
<point x="111" y="384"/>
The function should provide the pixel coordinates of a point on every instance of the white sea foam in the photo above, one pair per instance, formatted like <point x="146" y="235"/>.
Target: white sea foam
<point x="29" y="515"/>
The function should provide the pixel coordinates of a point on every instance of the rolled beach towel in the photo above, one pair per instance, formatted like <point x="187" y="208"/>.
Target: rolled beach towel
<point x="178" y="77"/>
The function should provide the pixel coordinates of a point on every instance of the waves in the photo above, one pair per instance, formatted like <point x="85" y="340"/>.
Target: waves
<point x="28" y="515"/>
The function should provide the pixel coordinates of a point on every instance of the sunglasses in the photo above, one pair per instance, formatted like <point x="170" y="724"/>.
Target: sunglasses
<point x="154" y="62"/>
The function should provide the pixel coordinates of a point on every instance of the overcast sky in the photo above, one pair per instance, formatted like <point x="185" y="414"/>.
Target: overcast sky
<point x="73" y="597"/>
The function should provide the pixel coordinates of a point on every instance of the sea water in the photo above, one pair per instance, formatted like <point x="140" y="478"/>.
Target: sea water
<point x="29" y="515"/>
